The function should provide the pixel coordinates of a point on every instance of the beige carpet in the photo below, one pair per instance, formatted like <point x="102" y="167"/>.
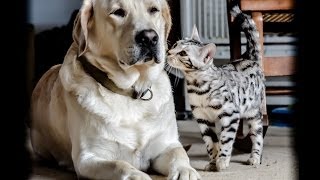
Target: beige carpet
<point x="278" y="163"/>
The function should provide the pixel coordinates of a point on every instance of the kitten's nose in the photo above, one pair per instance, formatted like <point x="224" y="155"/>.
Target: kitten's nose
<point x="147" y="38"/>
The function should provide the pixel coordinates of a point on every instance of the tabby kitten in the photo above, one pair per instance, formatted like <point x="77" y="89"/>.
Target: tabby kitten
<point x="221" y="96"/>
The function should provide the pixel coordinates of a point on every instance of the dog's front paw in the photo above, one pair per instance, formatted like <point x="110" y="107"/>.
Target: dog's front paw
<point x="137" y="175"/>
<point x="184" y="173"/>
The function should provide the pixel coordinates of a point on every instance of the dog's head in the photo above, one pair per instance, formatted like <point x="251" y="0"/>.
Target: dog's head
<point x="130" y="32"/>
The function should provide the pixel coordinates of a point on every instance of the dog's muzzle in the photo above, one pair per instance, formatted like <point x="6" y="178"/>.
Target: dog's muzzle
<point x="147" y="40"/>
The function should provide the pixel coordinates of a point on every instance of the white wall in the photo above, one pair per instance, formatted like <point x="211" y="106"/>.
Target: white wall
<point x="45" y="14"/>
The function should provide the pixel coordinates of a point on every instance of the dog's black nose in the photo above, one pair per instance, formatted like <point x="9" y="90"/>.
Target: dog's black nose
<point x="147" y="38"/>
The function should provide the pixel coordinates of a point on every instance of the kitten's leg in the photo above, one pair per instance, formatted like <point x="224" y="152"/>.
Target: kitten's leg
<point x="255" y="133"/>
<point x="210" y="138"/>
<point x="230" y="123"/>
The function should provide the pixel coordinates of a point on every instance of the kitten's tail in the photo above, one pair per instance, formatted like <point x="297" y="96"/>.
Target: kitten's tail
<point x="247" y="25"/>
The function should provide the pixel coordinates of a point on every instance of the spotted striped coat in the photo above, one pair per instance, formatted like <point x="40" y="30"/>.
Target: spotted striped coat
<point x="221" y="96"/>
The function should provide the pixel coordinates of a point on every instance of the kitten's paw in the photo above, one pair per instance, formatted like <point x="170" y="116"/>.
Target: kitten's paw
<point x="222" y="163"/>
<point x="138" y="177"/>
<point x="133" y="174"/>
<point x="253" y="161"/>
<point x="210" y="167"/>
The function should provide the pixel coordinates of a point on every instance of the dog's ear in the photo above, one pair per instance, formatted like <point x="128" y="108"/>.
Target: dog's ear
<point x="76" y="33"/>
<point x="82" y="25"/>
<point x="167" y="17"/>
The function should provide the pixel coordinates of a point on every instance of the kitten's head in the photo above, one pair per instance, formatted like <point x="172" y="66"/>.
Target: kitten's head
<point x="191" y="54"/>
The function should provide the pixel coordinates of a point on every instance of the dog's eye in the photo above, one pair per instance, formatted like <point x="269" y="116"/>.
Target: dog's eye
<point x="182" y="53"/>
<point x="119" y="12"/>
<point x="153" y="10"/>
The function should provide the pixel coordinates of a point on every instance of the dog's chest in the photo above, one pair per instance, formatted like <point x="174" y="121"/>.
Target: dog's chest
<point x="134" y="135"/>
<point x="134" y="113"/>
<point x="129" y="123"/>
<point x="126" y="141"/>
<point x="122" y="128"/>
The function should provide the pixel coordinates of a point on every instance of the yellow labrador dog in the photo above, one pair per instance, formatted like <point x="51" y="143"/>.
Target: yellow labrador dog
<point x="107" y="111"/>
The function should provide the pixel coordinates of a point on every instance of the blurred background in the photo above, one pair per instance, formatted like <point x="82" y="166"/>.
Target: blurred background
<point x="50" y="26"/>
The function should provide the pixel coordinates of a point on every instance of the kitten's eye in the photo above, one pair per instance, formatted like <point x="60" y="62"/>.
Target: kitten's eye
<point x="119" y="12"/>
<point x="182" y="53"/>
<point x="175" y="45"/>
<point x="153" y="10"/>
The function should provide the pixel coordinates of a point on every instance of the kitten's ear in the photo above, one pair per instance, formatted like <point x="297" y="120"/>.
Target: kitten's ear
<point x="207" y="52"/>
<point x="195" y="34"/>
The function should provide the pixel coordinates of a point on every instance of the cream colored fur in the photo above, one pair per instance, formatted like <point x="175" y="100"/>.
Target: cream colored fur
<point x="98" y="133"/>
